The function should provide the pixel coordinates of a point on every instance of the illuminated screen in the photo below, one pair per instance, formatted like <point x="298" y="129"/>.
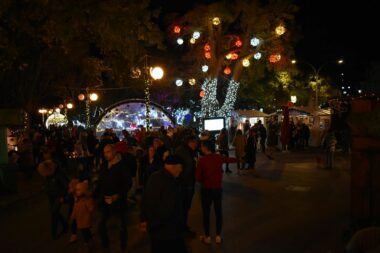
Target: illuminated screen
<point x="215" y="124"/>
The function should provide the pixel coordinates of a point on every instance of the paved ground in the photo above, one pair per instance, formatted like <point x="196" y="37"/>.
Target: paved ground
<point x="293" y="206"/>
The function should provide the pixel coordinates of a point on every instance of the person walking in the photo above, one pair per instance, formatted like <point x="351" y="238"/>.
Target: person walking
<point x="209" y="174"/>
<point x="162" y="208"/>
<point x="187" y="152"/>
<point x="223" y="145"/>
<point x="239" y="143"/>
<point x="111" y="191"/>
<point x="251" y="149"/>
<point x="328" y="145"/>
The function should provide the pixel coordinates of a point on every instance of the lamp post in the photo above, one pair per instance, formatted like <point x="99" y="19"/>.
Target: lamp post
<point x="316" y="76"/>
<point x="155" y="73"/>
<point x="43" y="112"/>
<point x="88" y="98"/>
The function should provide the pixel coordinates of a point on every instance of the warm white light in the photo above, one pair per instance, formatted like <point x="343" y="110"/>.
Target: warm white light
<point x="257" y="56"/>
<point x="196" y="35"/>
<point x="192" y="81"/>
<point x="179" y="41"/>
<point x="50" y="111"/>
<point x="340" y="61"/>
<point x="280" y="30"/>
<point x="294" y="61"/>
<point x="192" y="41"/>
<point x="216" y="21"/>
<point x="344" y="92"/>
<point x="255" y="41"/>
<point x="293" y="99"/>
<point x="246" y="62"/>
<point x="156" y="73"/>
<point x="359" y="91"/>
<point x="57" y="110"/>
<point x="178" y="82"/>
<point x="204" y="68"/>
<point x="61" y="106"/>
<point x="69" y="105"/>
<point x="342" y="87"/>
<point x="81" y="97"/>
<point x="349" y="87"/>
<point x="261" y="109"/>
<point x="42" y="111"/>
<point x="94" y="96"/>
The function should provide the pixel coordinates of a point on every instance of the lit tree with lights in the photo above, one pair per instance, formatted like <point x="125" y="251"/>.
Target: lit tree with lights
<point x="224" y="38"/>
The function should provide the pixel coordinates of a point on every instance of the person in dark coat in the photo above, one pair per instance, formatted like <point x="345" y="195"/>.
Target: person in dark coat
<point x="251" y="149"/>
<point x="188" y="154"/>
<point x="149" y="164"/>
<point x="162" y="208"/>
<point x="111" y="192"/>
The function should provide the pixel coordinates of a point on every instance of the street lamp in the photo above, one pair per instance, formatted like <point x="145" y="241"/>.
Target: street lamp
<point x="43" y="111"/>
<point x="316" y="76"/>
<point x="88" y="98"/>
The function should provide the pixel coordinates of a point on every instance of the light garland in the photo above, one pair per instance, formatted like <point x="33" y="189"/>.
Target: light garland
<point x="147" y="103"/>
<point x="209" y="102"/>
<point x="230" y="99"/>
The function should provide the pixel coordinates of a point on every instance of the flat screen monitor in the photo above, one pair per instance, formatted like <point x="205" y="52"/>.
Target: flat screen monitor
<point x="213" y="124"/>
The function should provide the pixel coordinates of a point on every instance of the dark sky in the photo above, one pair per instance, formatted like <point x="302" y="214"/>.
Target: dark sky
<point x="331" y="29"/>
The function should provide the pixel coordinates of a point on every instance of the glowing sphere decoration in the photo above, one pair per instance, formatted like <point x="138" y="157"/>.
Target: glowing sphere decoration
<point x="94" y="96"/>
<point x="69" y="105"/>
<point x="202" y="93"/>
<point x="196" y="35"/>
<point x="57" y="110"/>
<point x="216" y="21"/>
<point x="208" y="55"/>
<point x="177" y="29"/>
<point x="229" y="56"/>
<point x="238" y="43"/>
<point x="60" y="106"/>
<point x="246" y="62"/>
<point x="192" y="81"/>
<point x="234" y="56"/>
<point x="280" y="30"/>
<point x="227" y="70"/>
<point x="204" y="68"/>
<point x="178" y="82"/>
<point x="207" y="47"/>
<point x="192" y="41"/>
<point x="156" y="73"/>
<point x="255" y="42"/>
<point x="81" y="97"/>
<point x="273" y="58"/>
<point x="179" y="41"/>
<point x="257" y="56"/>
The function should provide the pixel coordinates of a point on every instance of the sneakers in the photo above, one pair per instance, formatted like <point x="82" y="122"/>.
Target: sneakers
<point x="205" y="239"/>
<point x="218" y="239"/>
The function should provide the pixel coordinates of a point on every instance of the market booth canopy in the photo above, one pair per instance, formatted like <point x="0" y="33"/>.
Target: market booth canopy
<point x="251" y="113"/>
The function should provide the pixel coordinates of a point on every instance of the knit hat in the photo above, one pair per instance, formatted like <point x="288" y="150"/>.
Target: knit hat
<point x="46" y="168"/>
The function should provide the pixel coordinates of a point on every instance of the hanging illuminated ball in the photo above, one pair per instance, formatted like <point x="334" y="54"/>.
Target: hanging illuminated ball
<point x="229" y="56"/>
<point x="94" y="96"/>
<point x="234" y="56"/>
<point x="238" y="43"/>
<point x="81" y="97"/>
<point x="192" y="41"/>
<point x="216" y="21"/>
<point x="57" y="110"/>
<point x="207" y="47"/>
<point x="208" y="55"/>
<point x="156" y="72"/>
<point x="227" y="70"/>
<point x="273" y="58"/>
<point x="280" y="30"/>
<point x="178" y="82"/>
<point x="179" y="41"/>
<point x="196" y="35"/>
<point x="202" y="93"/>
<point x="60" y="106"/>
<point x="255" y="42"/>
<point x="69" y="105"/>
<point x="204" y="68"/>
<point x="257" y="56"/>
<point x="246" y="62"/>
<point x="192" y="81"/>
<point x="176" y="29"/>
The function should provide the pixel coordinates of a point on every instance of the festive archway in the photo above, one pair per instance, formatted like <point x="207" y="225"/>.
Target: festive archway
<point x="129" y="114"/>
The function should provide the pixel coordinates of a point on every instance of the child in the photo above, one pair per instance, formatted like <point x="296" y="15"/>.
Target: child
<point x="83" y="210"/>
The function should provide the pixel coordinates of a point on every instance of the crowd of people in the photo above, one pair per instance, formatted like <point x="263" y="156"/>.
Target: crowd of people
<point x="157" y="170"/>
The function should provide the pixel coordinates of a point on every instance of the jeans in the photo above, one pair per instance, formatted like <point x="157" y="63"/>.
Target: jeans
<point x="119" y="209"/>
<point x="209" y="197"/>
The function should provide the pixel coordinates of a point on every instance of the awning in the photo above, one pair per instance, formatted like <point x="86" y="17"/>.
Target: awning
<point x="251" y="113"/>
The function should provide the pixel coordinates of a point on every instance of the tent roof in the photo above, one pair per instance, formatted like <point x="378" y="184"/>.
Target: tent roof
<point x="251" y="113"/>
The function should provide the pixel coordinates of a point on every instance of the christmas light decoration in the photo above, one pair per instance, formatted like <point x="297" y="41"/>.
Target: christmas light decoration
<point x="94" y="96"/>
<point x="230" y="99"/>
<point x="234" y="56"/>
<point x="207" y="47"/>
<point x="178" y="82"/>
<point x="229" y="56"/>
<point x="156" y="72"/>
<point x="81" y="97"/>
<point x="273" y="58"/>
<point x="202" y="93"/>
<point x="147" y="103"/>
<point x="69" y="105"/>
<point x="255" y="42"/>
<point x="179" y="41"/>
<point x="192" y="41"/>
<point x="208" y="55"/>
<point x="192" y="81"/>
<point x="280" y="30"/>
<point x="227" y="70"/>
<point x="177" y="29"/>
<point x="204" y="68"/>
<point x="257" y="56"/>
<point x="238" y="43"/>
<point x="196" y="35"/>
<point x="216" y="21"/>
<point x="246" y="62"/>
<point x="209" y="102"/>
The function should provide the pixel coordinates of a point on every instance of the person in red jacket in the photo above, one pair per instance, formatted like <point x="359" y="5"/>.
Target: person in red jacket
<point x="209" y="174"/>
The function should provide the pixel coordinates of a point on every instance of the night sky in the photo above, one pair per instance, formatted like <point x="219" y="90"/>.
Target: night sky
<point x="331" y="29"/>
